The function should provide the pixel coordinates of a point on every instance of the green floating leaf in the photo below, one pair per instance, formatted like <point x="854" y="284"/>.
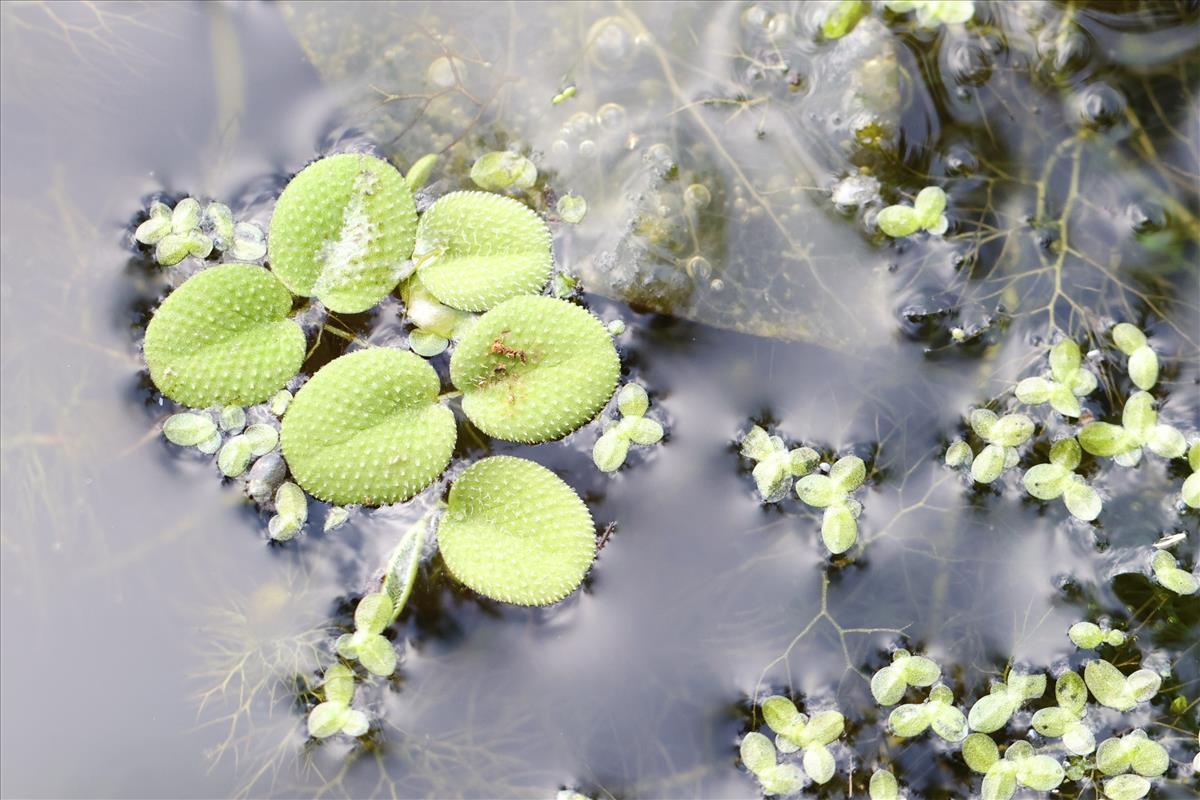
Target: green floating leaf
<point x="989" y="464"/>
<point x="642" y="430"/>
<point x="819" y="763"/>
<point x="232" y="419"/>
<point x="188" y="430"/>
<point x="475" y="250"/>
<point x="368" y="428"/>
<point x="262" y="438"/>
<point x="1111" y="688"/>
<point x="224" y="337"/>
<point x="571" y="208"/>
<point x="418" y="174"/>
<point x="839" y="529"/>
<point x="343" y="231"/>
<point x="959" y="454"/>
<point x="503" y="169"/>
<point x="1126" y="787"/>
<point x="401" y="573"/>
<point x="327" y="719"/>
<point x="883" y="786"/>
<point x="783" y="779"/>
<point x="991" y="712"/>
<point x="1171" y="577"/>
<point x="839" y="21"/>
<point x="898" y="221"/>
<point x="758" y="754"/>
<point x="235" y="456"/>
<point x="980" y="752"/>
<point x="339" y="684"/>
<point x="1105" y="439"/>
<point x="515" y="532"/>
<point x="534" y="369"/>
<point x="156" y="227"/>
<point x="1143" y="368"/>
<point x="632" y="400"/>
<point x="610" y="451"/>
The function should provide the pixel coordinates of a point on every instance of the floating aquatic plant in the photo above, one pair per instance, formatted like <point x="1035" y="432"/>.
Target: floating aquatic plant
<point x="1002" y="434"/>
<point x="933" y="13"/>
<point x="335" y="715"/>
<point x="1065" y="384"/>
<point x="189" y="429"/>
<point x="991" y="712"/>
<point x="515" y="532"/>
<point x="1143" y="361"/>
<point x="798" y="732"/>
<point x="1021" y="766"/>
<point x="1170" y="576"/>
<point x="1089" y="636"/>
<point x="839" y="525"/>
<point x="534" y="369"/>
<point x="1190" y="493"/>
<point x="240" y="241"/>
<point x="1065" y="720"/>
<point x="343" y="231"/>
<point x="373" y="613"/>
<point x="420" y="171"/>
<point x="937" y="712"/>
<point x="842" y="16"/>
<point x="224" y="337"/>
<point x="475" y="250"/>
<point x="1135" y="751"/>
<point x="291" y="512"/>
<point x="1126" y="787"/>
<point x="883" y="786"/>
<point x="1113" y="689"/>
<point x="503" y="169"/>
<point x="175" y="233"/>
<point x="776" y="467"/>
<point x="368" y="428"/>
<point x="436" y="323"/>
<point x="1139" y="429"/>
<point x="1058" y="479"/>
<point x="759" y="756"/>
<point x="925" y="214"/>
<point x="889" y="683"/>
<point x="634" y="427"/>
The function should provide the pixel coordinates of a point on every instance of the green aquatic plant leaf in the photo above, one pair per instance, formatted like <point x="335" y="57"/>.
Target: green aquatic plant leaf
<point x="932" y="13"/>
<point x="291" y="512"/>
<point x="343" y="231"/>
<point x="612" y="447"/>
<point x="234" y="456"/>
<point x="1134" y="751"/>
<point x="839" y="524"/>
<point x="757" y="752"/>
<point x="1062" y="387"/>
<point x="263" y="438"/>
<point x="1089" y="635"/>
<point x="819" y="763"/>
<point x="534" y="369"/>
<point x="980" y="752"/>
<point x="339" y="684"/>
<point x="475" y="250"/>
<point x="515" y="532"/>
<point x="1190" y="493"/>
<point x="1171" y="577"/>
<point x="610" y="450"/>
<point x="1113" y="689"/>
<point x="883" y="786"/>
<point x="1003" y="435"/>
<point x="1126" y="787"/>
<point x="1057" y="479"/>
<point x="1139" y="429"/>
<point x="937" y="712"/>
<point x="777" y="467"/>
<point x="335" y="715"/>
<point x="498" y="170"/>
<point x="188" y="429"/>
<point x="1143" y="361"/>
<point x="368" y="428"/>
<point x="400" y="575"/>
<point x="175" y="233"/>
<point x="890" y="682"/>
<point x="418" y="174"/>
<point x="842" y="16"/>
<point x="224" y="337"/>
<point x="632" y="400"/>
<point x="280" y="402"/>
<point x="232" y="419"/>
<point x="926" y="214"/>
<point x="571" y="208"/>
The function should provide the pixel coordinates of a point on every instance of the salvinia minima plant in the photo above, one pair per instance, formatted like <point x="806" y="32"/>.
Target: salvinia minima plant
<point x="839" y="524"/>
<point x="1002" y="436"/>
<point x="776" y="467"/>
<point x="1063" y="385"/>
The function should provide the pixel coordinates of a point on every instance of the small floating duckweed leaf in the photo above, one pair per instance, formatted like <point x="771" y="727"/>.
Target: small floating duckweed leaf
<point x="232" y="419"/>
<point x="262" y="437"/>
<point x="291" y="512"/>
<point x="218" y="221"/>
<point x="515" y="532"/>
<point x="418" y="174"/>
<point x="632" y="400"/>
<point x="1139" y="429"/>
<point x="1143" y="361"/>
<point x="1171" y="577"/>
<point x="613" y="445"/>
<point x="475" y="250"/>
<point x="840" y="20"/>
<point x="1065" y="720"/>
<point x="336" y="518"/>
<point x="777" y="466"/>
<point x="249" y="242"/>
<point x="883" y="786"/>
<point x="819" y="764"/>
<point x="189" y="429"/>
<point x="1003" y="435"/>
<point x="156" y="227"/>
<point x="1089" y="636"/>
<point x="374" y="612"/>
<point x="534" y="369"/>
<point x="937" y="712"/>
<point x="959" y="454"/>
<point x="339" y="684"/>
<point x="224" y="337"/>
<point x="932" y="13"/>
<point x="610" y="450"/>
<point x="1126" y="787"/>
<point x="498" y="170"/>
<point x="210" y="445"/>
<point x="615" y="327"/>
<point x="335" y="715"/>
<point x="571" y="208"/>
<point x="889" y="683"/>
<point x="980" y="752"/>
<point x="839" y="525"/>
<point x="234" y="457"/>
<point x="1058" y="479"/>
<point x="926" y="214"/>
<point x="758" y="754"/>
<point x="343" y="231"/>
<point x="368" y="428"/>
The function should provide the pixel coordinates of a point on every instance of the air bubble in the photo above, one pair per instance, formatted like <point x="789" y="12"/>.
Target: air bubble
<point x="1100" y="106"/>
<point x="697" y="195"/>
<point x="698" y="268"/>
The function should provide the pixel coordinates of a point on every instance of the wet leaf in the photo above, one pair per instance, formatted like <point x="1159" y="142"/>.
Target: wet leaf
<point x="632" y="400"/>
<point x="503" y="169"/>
<point x="515" y="532"/>
<point x="758" y="754"/>
<point x="234" y="457"/>
<point x="187" y="430"/>
<point x="839" y="529"/>
<point x="819" y="763"/>
<point x="610" y="451"/>
<point x="980" y="752"/>
<point x="883" y="786"/>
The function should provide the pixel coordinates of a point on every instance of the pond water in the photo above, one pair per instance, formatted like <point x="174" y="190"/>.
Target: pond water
<point x="155" y="644"/>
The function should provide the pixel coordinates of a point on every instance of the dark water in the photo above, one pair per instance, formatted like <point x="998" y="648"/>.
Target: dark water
<point x="154" y="644"/>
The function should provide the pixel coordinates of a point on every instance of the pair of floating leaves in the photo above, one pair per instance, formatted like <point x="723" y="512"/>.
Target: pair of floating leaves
<point x="1089" y="636"/>
<point x="1134" y="751"/>
<point x="759" y="756"/>
<point x="1065" y="721"/>
<point x="374" y="612"/>
<point x="436" y="323"/>
<point x="475" y="249"/>
<point x="932" y="13"/>
<point x="343" y="231"/>
<point x="1002" y="434"/>
<point x="633" y="428"/>
<point x="224" y="337"/>
<point x="1170" y="576"/>
<point x="1065" y="384"/>
<point x="992" y="712"/>
<point x="335" y="715"/>
<point x="534" y="369"/>
<point x="796" y="731"/>
<point x="1139" y="429"/>
<point x="937" y="712"/>
<point x="368" y="428"/>
<point x="291" y="512"/>
<point x="237" y="453"/>
<point x="925" y="214"/>
<point x="1021" y="766"/>
<point x="777" y="466"/>
<point x="889" y="683"/>
<point x="515" y="532"/>
<point x="1143" y="361"/>
<point x="1059" y="479"/>
<point x="1113" y="689"/>
<point x="839" y="525"/>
